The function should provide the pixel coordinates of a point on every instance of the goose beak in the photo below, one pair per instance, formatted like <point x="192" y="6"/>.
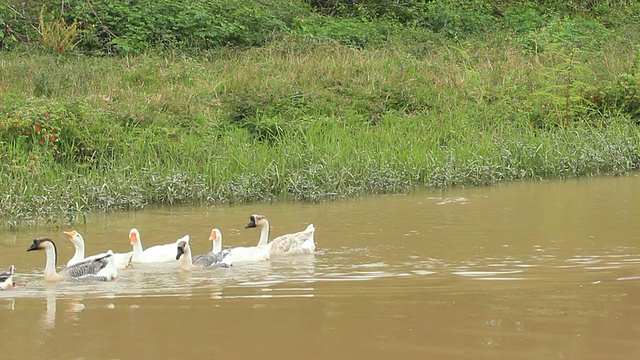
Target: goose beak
<point x="252" y="224"/>
<point x="180" y="252"/>
<point x="213" y="235"/>
<point x="70" y="234"/>
<point x="35" y="245"/>
<point x="133" y="238"/>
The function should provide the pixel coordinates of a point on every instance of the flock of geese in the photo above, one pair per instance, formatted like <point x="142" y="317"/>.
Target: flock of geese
<point x="105" y="266"/>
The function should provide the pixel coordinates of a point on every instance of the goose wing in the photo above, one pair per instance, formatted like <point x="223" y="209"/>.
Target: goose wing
<point x="295" y="244"/>
<point x="87" y="268"/>
<point x="211" y="259"/>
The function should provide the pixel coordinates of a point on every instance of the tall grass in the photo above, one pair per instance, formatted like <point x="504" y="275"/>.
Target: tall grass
<point x="307" y="122"/>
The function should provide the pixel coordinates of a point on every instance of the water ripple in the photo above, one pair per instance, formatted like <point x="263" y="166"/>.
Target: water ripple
<point x="295" y="276"/>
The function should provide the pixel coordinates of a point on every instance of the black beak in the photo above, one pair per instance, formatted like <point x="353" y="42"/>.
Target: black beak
<point x="252" y="224"/>
<point x="180" y="252"/>
<point x="35" y="245"/>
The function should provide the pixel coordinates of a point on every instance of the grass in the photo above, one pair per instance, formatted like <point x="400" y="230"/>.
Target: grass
<point x="303" y="121"/>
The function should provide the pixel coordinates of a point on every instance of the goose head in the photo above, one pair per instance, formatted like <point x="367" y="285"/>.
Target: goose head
<point x="75" y="237"/>
<point x="42" y="244"/>
<point x="134" y="236"/>
<point x="49" y="247"/>
<point x="256" y="221"/>
<point x="183" y="248"/>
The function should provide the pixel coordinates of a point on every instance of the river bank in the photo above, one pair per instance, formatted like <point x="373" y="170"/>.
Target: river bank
<point x="312" y="121"/>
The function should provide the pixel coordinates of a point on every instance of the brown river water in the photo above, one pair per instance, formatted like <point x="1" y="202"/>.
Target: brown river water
<point x="521" y="270"/>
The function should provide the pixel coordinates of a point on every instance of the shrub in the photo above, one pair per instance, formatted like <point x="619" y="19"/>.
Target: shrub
<point x="56" y="34"/>
<point x="583" y="34"/>
<point x="354" y="32"/>
<point x="456" y="19"/>
<point x="126" y="27"/>
<point x="47" y="129"/>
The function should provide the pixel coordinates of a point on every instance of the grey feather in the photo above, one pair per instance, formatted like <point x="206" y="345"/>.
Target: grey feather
<point x="92" y="277"/>
<point x="211" y="259"/>
<point x="85" y="268"/>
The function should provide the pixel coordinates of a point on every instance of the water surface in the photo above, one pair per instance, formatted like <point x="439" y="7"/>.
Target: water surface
<point x="523" y="270"/>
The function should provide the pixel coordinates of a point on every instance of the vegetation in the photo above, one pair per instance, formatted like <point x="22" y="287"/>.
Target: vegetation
<point x="113" y="105"/>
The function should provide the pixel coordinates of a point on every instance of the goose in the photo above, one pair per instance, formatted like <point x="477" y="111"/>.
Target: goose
<point x="99" y="268"/>
<point x="299" y="243"/>
<point x="216" y="255"/>
<point x="243" y="253"/>
<point x="6" y="279"/>
<point x="155" y="254"/>
<point x="185" y="261"/>
<point x="122" y="260"/>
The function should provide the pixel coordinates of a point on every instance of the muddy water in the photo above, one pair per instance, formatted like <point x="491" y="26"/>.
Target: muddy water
<point x="525" y="270"/>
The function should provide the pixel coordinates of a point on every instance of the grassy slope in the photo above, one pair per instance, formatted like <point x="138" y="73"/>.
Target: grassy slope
<point x="314" y="122"/>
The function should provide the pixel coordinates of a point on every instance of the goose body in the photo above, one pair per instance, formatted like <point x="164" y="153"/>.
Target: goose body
<point x="96" y="269"/>
<point x="244" y="253"/>
<point x="216" y="255"/>
<point x="247" y="254"/>
<point x="154" y="254"/>
<point x="6" y="279"/>
<point x="300" y="243"/>
<point x="122" y="260"/>
<point x="185" y="261"/>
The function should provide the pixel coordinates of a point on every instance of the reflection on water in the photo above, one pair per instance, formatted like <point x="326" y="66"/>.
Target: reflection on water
<point x="48" y="318"/>
<point x="523" y="270"/>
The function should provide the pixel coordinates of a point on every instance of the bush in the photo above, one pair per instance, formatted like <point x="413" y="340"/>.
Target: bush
<point x="621" y="96"/>
<point x="125" y="27"/>
<point x="403" y="12"/>
<point x="579" y="33"/>
<point x="132" y="27"/>
<point x="50" y="130"/>
<point x="456" y="19"/>
<point x="353" y="32"/>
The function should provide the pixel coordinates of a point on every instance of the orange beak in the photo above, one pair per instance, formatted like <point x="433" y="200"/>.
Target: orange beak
<point x="70" y="234"/>
<point x="213" y="235"/>
<point x="133" y="238"/>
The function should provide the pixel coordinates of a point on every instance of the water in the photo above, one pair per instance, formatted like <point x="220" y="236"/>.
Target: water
<point x="523" y="270"/>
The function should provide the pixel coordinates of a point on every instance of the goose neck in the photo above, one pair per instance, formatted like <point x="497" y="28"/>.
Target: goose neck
<point x="186" y="261"/>
<point x="217" y="245"/>
<point x="50" y="266"/>
<point x="264" y="234"/>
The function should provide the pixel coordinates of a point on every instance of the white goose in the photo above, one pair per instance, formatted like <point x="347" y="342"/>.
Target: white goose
<point x="246" y="254"/>
<point x="6" y="279"/>
<point x="122" y="260"/>
<point x="299" y="243"/>
<point x="98" y="269"/>
<point x="155" y="254"/>
<point x="185" y="261"/>
<point x="216" y="255"/>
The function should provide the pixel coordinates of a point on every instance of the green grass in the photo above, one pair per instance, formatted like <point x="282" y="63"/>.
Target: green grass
<point x="306" y="121"/>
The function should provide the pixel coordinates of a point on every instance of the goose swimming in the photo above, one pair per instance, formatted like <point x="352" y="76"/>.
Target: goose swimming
<point x="122" y="260"/>
<point x="97" y="269"/>
<point x="154" y="254"/>
<point x="217" y="255"/>
<point x="185" y="260"/>
<point x="246" y="253"/>
<point x="299" y="243"/>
